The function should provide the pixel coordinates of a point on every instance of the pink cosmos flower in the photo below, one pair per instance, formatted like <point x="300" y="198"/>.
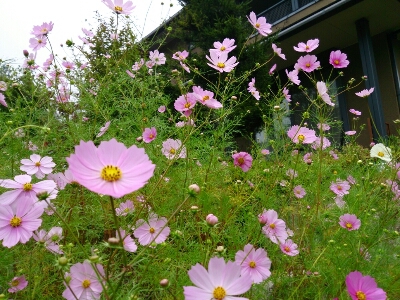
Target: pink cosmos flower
<point x="22" y="186"/>
<point x="307" y="158"/>
<point x="272" y="70"/>
<point x="254" y="263"/>
<point x="350" y="132"/>
<point x="340" y="187"/>
<point x="349" y="222"/>
<point x="323" y="126"/>
<point x="301" y="135"/>
<point x="50" y="239"/>
<point x="137" y="65"/>
<point x="68" y="65"/>
<point x="274" y="228"/>
<point x="130" y="74"/>
<point x="185" y="67"/>
<point x="180" y="55"/>
<point x="173" y="149"/>
<point x="355" y="112"/>
<point x="291" y="173"/>
<point x="260" y="24"/>
<point x="185" y="102"/>
<point x="299" y="192"/>
<point x="307" y="47"/>
<point x="285" y="92"/>
<point x="206" y="98"/>
<point x="37" y="165"/>
<point x="293" y="76"/>
<point x="119" y="6"/>
<point x="221" y="62"/>
<point x="365" y="93"/>
<point x="278" y="51"/>
<point x="351" y="180"/>
<point x="17" y="224"/>
<point x="323" y="93"/>
<point x="3" y="86"/>
<point x="242" y="160"/>
<point x="264" y="151"/>
<point x="308" y="63"/>
<point x="317" y="144"/>
<point x="128" y="243"/>
<point x="221" y="281"/>
<point x="87" y="32"/>
<point x="211" y="219"/>
<point x="289" y="248"/>
<point x="363" y="287"/>
<point x="38" y="43"/>
<point x="162" y="109"/>
<point x="226" y="46"/>
<point x="252" y="89"/>
<point x="84" y="282"/>
<point x="3" y="100"/>
<point x="125" y="208"/>
<point x="149" y="134"/>
<point x="114" y="36"/>
<point x="104" y="129"/>
<point x="85" y="41"/>
<point x="157" y="58"/>
<point x="110" y="169"/>
<point x="44" y="29"/>
<point x="338" y="59"/>
<point x="152" y="231"/>
<point x="17" y="284"/>
<point x="340" y="202"/>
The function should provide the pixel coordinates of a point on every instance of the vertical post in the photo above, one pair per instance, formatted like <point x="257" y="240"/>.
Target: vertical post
<point x="392" y="38"/>
<point x="295" y="5"/>
<point x="369" y="69"/>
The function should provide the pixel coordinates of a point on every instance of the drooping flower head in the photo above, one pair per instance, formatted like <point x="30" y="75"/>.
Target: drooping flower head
<point x="278" y="51"/>
<point x="37" y="165"/>
<point x="307" y="47"/>
<point x="152" y="231"/>
<point x="349" y="222"/>
<point x="323" y="93"/>
<point x="242" y="160"/>
<point x="149" y="134"/>
<point x="260" y="24"/>
<point x="221" y="281"/>
<point x="381" y="151"/>
<point x="254" y="263"/>
<point x="301" y="135"/>
<point x="286" y="94"/>
<point x="17" y="284"/>
<point x="338" y="59"/>
<point x="365" y="93"/>
<point x="173" y="149"/>
<point x="104" y="129"/>
<point x="252" y="89"/>
<point x="119" y="6"/>
<point x="127" y="242"/>
<point x="363" y="287"/>
<point x="3" y="100"/>
<point x="293" y="76"/>
<point x="226" y="46"/>
<point x="110" y="169"/>
<point x="221" y="62"/>
<point x="355" y="112"/>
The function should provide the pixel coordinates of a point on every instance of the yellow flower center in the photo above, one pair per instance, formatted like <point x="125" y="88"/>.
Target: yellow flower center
<point x="240" y="160"/>
<point x="349" y="225"/>
<point x="86" y="283"/>
<point x="257" y="25"/>
<point x="152" y="230"/>
<point x="287" y="249"/>
<point x="339" y="188"/>
<point x="37" y="164"/>
<point x="219" y="293"/>
<point x="336" y="61"/>
<point x="252" y="264"/>
<point x="205" y="98"/>
<point x="308" y="65"/>
<point x="111" y="173"/>
<point x="381" y="154"/>
<point x="126" y="209"/>
<point x="222" y="48"/>
<point x="15" y="282"/>
<point x="118" y="9"/>
<point x="187" y="105"/>
<point x="301" y="138"/>
<point x="27" y="186"/>
<point x="15" y="221"/>
<point x="361" y="296"/>
<point x="172" y="151"/>
<point x="307" y="47"/>
<point x="272" y="226"/>
<point x="221" y="65"/>
<point x="151" y="135"/>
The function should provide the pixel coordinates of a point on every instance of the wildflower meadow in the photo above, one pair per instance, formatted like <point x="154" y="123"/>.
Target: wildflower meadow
<point x="123" y="177"/>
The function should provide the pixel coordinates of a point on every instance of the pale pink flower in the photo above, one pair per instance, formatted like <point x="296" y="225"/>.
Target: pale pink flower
<point x="289" y="248"/>
<point x="138" y="65"/>
<point x="211" y="219"/>
<point x="350" y="132"/>
<point x="299" y="192"/>
<point x="119" y="6"/>
<point x="150" y="64"/>
<point x="130" y="74"/>
<point x="221" y="281"/>
<point x="339" y="201"/>
<point x="84" y="282"/>
<point x="254" y="263"/>
<point x="152" y="231"/>
<point x="307" y="47"/>
<point x="17" y="284"/>
<point x="323" y="126"/>
<point x="180" y="55"/>
<point x="285" y="92"/>
<point x="264" y="151"/>
<point x="3" y="86"/>
<point x="334" y="155"/>
<point x="185" y="102"/>
<point x="323" y="93"/>
<point x="114" y="36"/>
<point x="162" y="109"/>
<point x="206" y="98"/>
<point x="272" y="70"/>
<point x="293" y="76"/>
<point x="86" y="42"/>
<point x="252" y="89"/>
<point x="338" y="59"/>
<point x="307" y="158"/>
<point x="157" y="57"/>
<point x="355" y="112"/>
<point x="3" y="100"/>
<point x="301" y="135"/>
<point x="221" y="62"/>
<point x="68" y="65"/>
<point x="37" y="43"/>
<point x="173" y="149"/>
<point x="49" y="239"/>
<point x="149" y="134"/>
<point x="242" y="160"/>
<point x="308" y="63"/>
<point x="278" y="51"/>
<point x="349" y="222"/>
<point x="110" y="169"/>
<point x="260" y="24"/>
<point x="351" y="180"/>
<point x="365" y="93"/>
<point x="185" y="67"/>
<point x="274" y="228"/>
<point x="125" y="208"/>
<point x="44" y="29"/>
<point x="363" y="287"/>
<point x="128" y="243"/>
<point x="104" y="129"/>
<point x="17" y="224"/>
<point x="317" y="144"/>
<point x="87" y="32"/>
<point x="37" y="165"/>
<point x="226" y="46"/>
<point x="291" y="173"/>
<point x="340" y="187"/>
<point x="32" y="146"/>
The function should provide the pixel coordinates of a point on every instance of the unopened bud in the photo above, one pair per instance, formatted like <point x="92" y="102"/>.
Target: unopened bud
<point x="113" y="241"/>
<point x="195" y="188"/>
<point x="26" y="53"/>
<point x="164" y="282"/>
<point x="211" y="220"/>
<point x="94" y="258"/>
<point x="276" y="107"/>
<point x="62" y="261"/>
<point x="139" y="139"/>
<point x="220" y="248"/>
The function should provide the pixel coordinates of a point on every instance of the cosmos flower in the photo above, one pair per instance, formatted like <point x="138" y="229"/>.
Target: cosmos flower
<point x="151" y="231"/>
<point x="3" y="100"/>
<point x="338" y="59"/>
<point x="221" y="62"/>
<point x="17" y="284"/>
<point x="301" y="135"/>
<point x="149" y="134"/>
<point x="37" y="165"/>
<point x="128" y="243"/>
<point x="363" y="287"/>
<point x="381" y="151"/>
<point x="323" y="93"/>
<point x="161" y="109"/>
<point x="308" y="63"/>
<point x="104" y="129"/>
<point x="252" y="89"/>
<point x="41" y="30"/>
<point x="206" y="98"/>
<point x="180" y="55"/>
<point x="307" y="47"/>
<point x="349" y="222"/>
<point x="157" y="58"/>
<point x="260" y="24"/>
<point x="365" y="93"/>
<point x="254" y="263"/>
<point x="355" y="112"/>
<point x="274" y="228"/>
<point x="278" y="51"/>
<point x="340" y="187"/>
<point x="119" y="6"/>
<point x="299" y="192"/>
<point x="289" y="248"/>
<point x="173" y="149"/>
<point x="242" y="160"/>
<point x="185" y="102"/>
<point x="226" y="46"/>
<point x="293" y="76"/>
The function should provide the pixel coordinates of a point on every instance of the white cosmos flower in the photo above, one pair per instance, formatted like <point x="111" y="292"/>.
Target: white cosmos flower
<point x="382" y="152"/>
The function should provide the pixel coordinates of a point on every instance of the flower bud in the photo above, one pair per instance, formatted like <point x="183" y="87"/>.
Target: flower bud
<point x="211" y="220"/>
<point x="195" y="188"/>
<point x="62" y="261"/>
<point x="139" y="139"/>
<point x="26" y="53"/>
<point x="164" y="282"/>
<point x="220" y="248"/>
<point x="113" y="241"/>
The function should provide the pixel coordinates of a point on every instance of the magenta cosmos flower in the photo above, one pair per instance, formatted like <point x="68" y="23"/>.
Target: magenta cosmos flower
<point x="18" y="224"/>
<point x="221" y="62"/>
<point x="254" y="263"/>
<point x="299" y="192"/>
<point x="260" y="24"/>
<point x="119" y="6"/>
<point x="307" y="47"/>
<point x="340" y="187"/>
<point x="37" y="165"/>
<point x="149" y="134"/>
<point x="128" y="243"/>
<point x="206" y="98"/>
<point x="173" y="149"/>
<point x="3" y="100"/>
<point x="111" y="169"/>
<point x="365" y="93"/>
<point x="17" y="284"/>
<point x="301" y="135"/>
<point x="180" y="55"/>
<point x="363" y="287"/>
<point x="274" y="228"/>
<point x="308" y="63"/>
<point x="338" y="59"/>
<point x="242" y="160"/>
<point x="289" y="248"/>
<point x="152" y="231"/>
<point x="222" y="281"/>
<point x="355" y="112"/>
<point x="185" y="103"/>
<point x="323" y="93"/>
<point x="84" y="283"/>
<point x="349" y="222"/>
<point x="226" y="46"/>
